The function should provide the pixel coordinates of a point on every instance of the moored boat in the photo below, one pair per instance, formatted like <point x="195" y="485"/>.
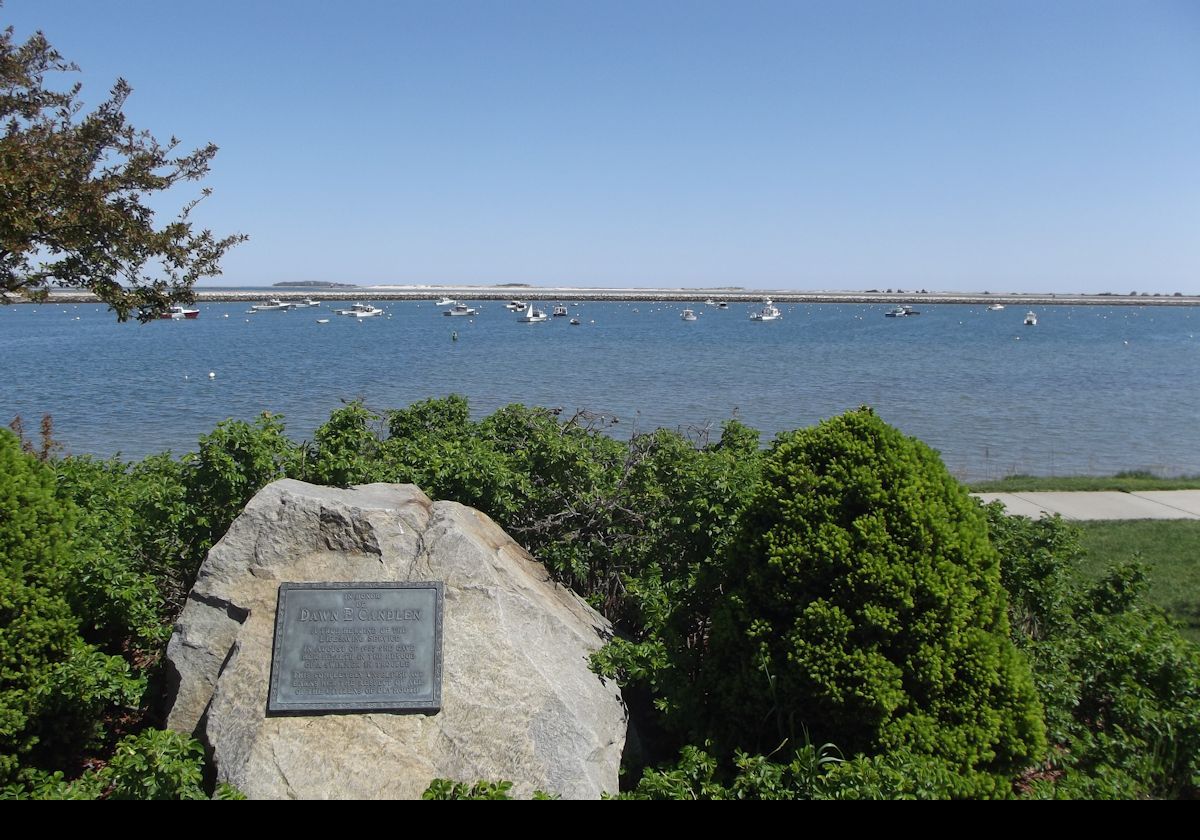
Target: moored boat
<point x="532" y="316"/>
<point x="460" y="310"/>
<point x="272" y="305"/>
<point x="769" y="312"/>
<point x="361" y="310"/>
<point x="178" y="313"/>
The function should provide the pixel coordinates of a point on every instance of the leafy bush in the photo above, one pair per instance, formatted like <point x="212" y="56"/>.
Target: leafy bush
<point x="864" y="602"/>
<point x="1121" y="688"/>
<point x="345" y="449"/>
<point x="811" y="773"/>
<point x="156" y="764"/>
<point x="445" y="789"/>
<point x="130" y="524"/>
<point x="233" y="463"/>
<point x="53" y="686"/>
<point x="602" y="515"/>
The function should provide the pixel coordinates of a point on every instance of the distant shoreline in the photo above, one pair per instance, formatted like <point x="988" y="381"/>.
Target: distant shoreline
<point x="544" y="293"/>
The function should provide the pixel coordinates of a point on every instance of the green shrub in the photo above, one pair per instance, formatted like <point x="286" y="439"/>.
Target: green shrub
<point x="679" y="504"/>
<point x="128" y="535"/>
<point x="53" y="686"/>
<point x="436" y="446"/>
<point x="155" y="764"/>
<point x="345" y="449"/>
<point x="811" y="773"/>
<point x="445" y="789"/>
<point x="1120" y="686"/>
<point x="233" y="463"/>
<point x="864" y="603"/>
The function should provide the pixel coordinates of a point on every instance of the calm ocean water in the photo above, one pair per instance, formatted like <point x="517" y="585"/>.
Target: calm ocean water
<point x="1091" y="389"/>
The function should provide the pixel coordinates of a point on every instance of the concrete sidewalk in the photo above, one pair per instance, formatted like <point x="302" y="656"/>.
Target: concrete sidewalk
<point x="1146" y="504"/>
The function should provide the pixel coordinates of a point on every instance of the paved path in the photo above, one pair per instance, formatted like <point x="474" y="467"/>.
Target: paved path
<point x="1146" y="504"/>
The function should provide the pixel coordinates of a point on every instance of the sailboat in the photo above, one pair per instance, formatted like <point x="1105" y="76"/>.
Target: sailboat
<point x="532" y="316"/>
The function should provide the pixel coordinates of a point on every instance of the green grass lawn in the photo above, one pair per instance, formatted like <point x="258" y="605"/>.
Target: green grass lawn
<point x="1127" y="482"/>
<point x="1169" y="548"/>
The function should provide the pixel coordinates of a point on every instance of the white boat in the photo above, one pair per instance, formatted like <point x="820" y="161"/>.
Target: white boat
<point x="272" y="305"/>
<point x="769" y="312"/>
<point x="559" y="311"/>
<point x="515" y="305"/>
<point x="901" y="312"/>
<point x="710" y="302"/>
<point x="688" y="315"/>
<point x="322" y="320"/>
<point x="722" y="305"/>
<point x="459" y="309"/>
<point x="532" y="316"/>
<point x="1031" y="318"/>
<point x="178" y="313"/>
<point x="995" y="307"/>
<point x="306" y="302"/>
<point x="574" y="322"/>
<point x="361" y="310"/>
<point x="445" y="301"/>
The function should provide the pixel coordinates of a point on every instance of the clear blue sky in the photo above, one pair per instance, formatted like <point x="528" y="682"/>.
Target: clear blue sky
<point x="956" y="145"/>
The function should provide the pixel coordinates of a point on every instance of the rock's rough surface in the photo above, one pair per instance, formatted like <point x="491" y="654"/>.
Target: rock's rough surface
<point x="518" y="700"/>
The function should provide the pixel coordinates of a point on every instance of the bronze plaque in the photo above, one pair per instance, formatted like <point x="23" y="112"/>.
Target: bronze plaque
<point x="366" y="647"/>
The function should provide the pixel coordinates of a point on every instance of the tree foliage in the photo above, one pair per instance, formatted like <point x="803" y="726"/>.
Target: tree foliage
<point x="75" y="189"/>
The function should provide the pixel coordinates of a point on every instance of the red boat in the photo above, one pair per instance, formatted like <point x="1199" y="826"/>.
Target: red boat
<point x="178" y="313"/>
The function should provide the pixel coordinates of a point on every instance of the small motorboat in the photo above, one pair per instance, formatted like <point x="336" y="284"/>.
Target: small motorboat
<point x="515" y="305"/>
<point x="559" y="311"/>
<point x="901" y="312"/>
<point x="272" y="305"/>
<point x="322" y="320"/>
<point x="445" y="301"/>
<point x="688" y="315"/>
<point x="769" y="312"/>
<point x="361" y="310"/>
<point x="574" y="322"/>
<point x="995" y="307"/>
<point x="178" y="313"/>
<point x="460" y="309"/>
<point x="1031" y="318"/>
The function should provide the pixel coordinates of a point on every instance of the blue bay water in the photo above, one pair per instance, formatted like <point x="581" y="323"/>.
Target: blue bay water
<point x="1090" y="390"/>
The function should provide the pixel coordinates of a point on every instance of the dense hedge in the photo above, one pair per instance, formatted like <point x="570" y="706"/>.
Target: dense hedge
<point x="838" y="588"/>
